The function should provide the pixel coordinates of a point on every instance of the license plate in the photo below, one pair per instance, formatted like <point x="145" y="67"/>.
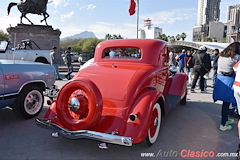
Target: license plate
<point x="51" y="92"/>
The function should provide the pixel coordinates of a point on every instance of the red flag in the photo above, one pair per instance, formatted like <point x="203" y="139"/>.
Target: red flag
<point x="132" y="8"/>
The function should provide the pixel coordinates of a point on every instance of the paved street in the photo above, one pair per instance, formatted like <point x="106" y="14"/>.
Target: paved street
<point x="191" y="127"/>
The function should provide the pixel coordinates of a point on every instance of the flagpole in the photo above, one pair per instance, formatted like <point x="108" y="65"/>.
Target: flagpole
<point x="137" y="16"/>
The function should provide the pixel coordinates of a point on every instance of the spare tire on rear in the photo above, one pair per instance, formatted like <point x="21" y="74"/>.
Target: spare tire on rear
<point x="79" y="104"/>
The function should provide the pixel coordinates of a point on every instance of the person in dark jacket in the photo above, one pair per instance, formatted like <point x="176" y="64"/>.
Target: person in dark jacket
<point x="215" y="64"/>
<point x="189" y="66"/>
<point x="202" y="65"/>
<point x="69" y="62"/>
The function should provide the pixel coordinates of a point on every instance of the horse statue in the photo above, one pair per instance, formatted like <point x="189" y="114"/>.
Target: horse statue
<point x="31" y="6"/>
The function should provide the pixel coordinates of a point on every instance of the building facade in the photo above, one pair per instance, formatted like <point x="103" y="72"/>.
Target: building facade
<point x="233" y="23"/>
<point x="208" y="10"/>
<point x="149" y="31"/>
<point x="208" y="18"/>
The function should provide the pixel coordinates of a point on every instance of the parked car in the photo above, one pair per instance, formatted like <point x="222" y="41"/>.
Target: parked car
<point x="84" y="57"/>
<point x="74" y="56"/>
<point x="22" y="85"/>
<point x="24" y="52"/>
<point x="119" y="100"/>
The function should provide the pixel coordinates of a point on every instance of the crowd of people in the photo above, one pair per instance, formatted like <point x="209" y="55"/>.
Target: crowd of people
<point x="225" y="68"/>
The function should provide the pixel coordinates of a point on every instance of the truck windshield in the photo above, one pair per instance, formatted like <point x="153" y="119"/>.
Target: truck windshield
<point x="122" y="53"/>
<point x="3" y="46"/>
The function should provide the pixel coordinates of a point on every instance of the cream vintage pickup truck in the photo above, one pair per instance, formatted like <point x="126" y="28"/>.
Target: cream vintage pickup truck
<point x="24" y="52"/>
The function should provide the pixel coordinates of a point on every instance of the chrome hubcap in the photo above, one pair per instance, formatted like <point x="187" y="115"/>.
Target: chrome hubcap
<point x="74" y="104"/>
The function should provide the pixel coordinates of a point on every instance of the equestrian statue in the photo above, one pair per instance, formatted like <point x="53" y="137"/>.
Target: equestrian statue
<point x="31" y="6"/>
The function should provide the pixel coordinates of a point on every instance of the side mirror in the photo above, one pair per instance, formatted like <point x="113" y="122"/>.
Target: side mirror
<point x="173" y="70"/>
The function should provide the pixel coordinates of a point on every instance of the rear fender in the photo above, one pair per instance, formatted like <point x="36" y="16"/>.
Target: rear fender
<point x="51" y="112"/>
<point x="142" y="107"/>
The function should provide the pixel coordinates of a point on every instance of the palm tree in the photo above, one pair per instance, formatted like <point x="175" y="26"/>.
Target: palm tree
<point x="183" y="36"/>
<point x="108" y="36"/>
<point x="178" y="37"/>
<point x="172" y="39"/>
<point x="120" y="37"/>
<point x="114" y="36"/>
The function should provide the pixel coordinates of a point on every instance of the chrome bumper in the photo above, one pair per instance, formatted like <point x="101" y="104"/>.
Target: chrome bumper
<point x="103" y="137"/>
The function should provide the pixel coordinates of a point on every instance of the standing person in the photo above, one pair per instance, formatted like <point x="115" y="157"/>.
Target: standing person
<point x="55" y="61"/>
<point x="236" y="87"/>
<point x="180" y="59"/>
<point x="69" y="62"/>
<point x="202" y="65"/>
<point x="215" y="66"/>
<point x="172" y="59"/>
<point x="223" y="89"/>
<point x="189" y="66"/>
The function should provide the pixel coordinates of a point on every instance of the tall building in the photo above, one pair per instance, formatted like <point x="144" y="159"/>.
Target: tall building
<point x="149" y="31"/>
<point x="208" y="24"/>
<point x="233" y="23"/>
<point x="208" y="10"/>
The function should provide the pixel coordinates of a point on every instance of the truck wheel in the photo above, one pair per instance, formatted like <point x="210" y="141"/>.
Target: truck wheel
<point x="184" y="100"/>
<point x="30" y="101"/>
<point x="79" y="104"/>
<point x="154" y="127"/>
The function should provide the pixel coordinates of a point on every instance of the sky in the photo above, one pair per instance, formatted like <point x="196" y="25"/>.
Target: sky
<point x="112" y="16"/>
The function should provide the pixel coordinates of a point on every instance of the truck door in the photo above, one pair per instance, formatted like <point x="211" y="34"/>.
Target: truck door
<point x="1" y="83"/>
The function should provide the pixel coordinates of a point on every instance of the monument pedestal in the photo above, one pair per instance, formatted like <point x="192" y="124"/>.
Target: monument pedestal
<point x="44" y="36"/>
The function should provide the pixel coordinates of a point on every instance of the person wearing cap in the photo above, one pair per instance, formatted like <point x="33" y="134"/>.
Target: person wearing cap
<point x="223" y="88"/>
<point x="181" y="59"/>
<point x="69" y="62"/>
<point x="55" y="61"/>
<point x="202" y="65"/>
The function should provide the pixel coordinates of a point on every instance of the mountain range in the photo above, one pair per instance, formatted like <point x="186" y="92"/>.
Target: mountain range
<point x="82" y="35"/>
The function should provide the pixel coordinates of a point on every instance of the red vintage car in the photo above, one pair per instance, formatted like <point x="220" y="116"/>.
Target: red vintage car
<point x="120" y="98"/>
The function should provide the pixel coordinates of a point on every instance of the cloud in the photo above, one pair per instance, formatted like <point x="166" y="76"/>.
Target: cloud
<point x="11" y="20"/>
<point x="103" y="28"/>
<point x="57" y="3"/>
<point x="67" y="15"/>
<point x="170" y="17"/>
<point x="88" y="7"/>
<point x="71" y="29"/>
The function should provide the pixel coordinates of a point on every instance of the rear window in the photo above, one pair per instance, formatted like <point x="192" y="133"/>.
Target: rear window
<point x="122" y="53"/>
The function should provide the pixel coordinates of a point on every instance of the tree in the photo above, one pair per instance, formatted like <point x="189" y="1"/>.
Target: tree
<point x="90" y="44"/>
<point x="163" y="37"/>
<point x="172" y="39"/>
<point x="3" y="36"/>
<point x="109" y="36"/>
<point x="79" y="45"/>
<point x="209" y="39"/>
<point x="178" y="37"/>
<point x="183" y="36"/>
